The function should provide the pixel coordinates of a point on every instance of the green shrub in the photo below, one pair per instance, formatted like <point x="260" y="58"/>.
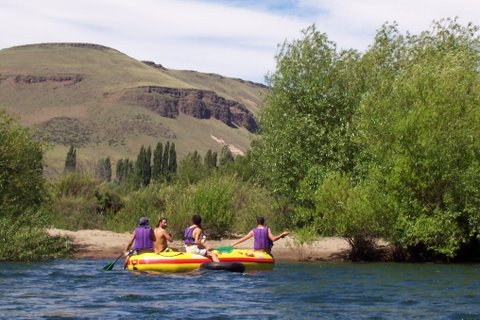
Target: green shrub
<point x="76" y="213"/>
<point x="252" y="201"/>
<point x="177" y="207"/>
<point x="22" y="191"/>
<point x="146" y="202"/>
<point x="75" y="184"/>
<point x="214" y="200"/>
<point x="23" y="240"/>
<point x="80" y="201"/>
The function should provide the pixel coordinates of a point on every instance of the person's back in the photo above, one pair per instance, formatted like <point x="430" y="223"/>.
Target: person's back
<point x="261" y="241"/>
<point x="263" y="238"/>
<point x="188" y="238"/>
<point x="142" y="237"/>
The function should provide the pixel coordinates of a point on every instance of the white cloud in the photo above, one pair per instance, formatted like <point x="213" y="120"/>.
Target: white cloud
<point x="237" y="39"/>
<point x="352" y="24"/>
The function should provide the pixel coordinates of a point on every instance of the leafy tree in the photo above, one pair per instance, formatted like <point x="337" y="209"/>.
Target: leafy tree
<point x="243" y="167"/>
<point x="306" y="122"/>
<point x="418" y="137"/>
<point x="71" y="160"/>
<point x="22" y="192"/>
<point x="381" y="144"/>
<point x="21" y="169"/>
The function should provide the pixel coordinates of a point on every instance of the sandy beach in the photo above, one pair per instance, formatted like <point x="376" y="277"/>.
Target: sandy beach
<point x="107" y="244"/>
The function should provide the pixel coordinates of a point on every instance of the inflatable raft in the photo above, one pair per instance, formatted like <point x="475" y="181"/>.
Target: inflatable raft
<point x="184" y="262"/>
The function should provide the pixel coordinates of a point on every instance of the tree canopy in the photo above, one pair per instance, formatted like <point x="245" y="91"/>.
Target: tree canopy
<point x="381" y="143"/>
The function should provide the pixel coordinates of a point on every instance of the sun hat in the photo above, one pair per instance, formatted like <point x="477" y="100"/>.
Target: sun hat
<point x="143" y="221"/>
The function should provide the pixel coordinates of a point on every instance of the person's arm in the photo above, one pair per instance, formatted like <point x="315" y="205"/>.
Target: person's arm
<point x="197" y="235"/>
<point x="131" y="241"/>
<point x="168" y="236"/>
<point x="245" y="238"/>
<point x="275" y="238"/>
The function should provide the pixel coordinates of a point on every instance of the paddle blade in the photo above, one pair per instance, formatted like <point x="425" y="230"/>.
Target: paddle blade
<point x="109" y="266"/>
<point x="225" y="249"/>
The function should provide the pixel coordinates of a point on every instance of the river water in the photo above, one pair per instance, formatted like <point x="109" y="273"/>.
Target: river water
<point x="81" y="289"/>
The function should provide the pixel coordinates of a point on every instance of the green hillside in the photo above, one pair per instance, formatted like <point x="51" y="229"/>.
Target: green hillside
<point x="109" y="104"/>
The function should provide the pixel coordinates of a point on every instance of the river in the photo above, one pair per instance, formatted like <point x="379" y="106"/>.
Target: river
<point x="81" y="289"/>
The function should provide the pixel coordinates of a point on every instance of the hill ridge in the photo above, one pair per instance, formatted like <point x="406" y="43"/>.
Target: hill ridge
<point x="110" y="104"/>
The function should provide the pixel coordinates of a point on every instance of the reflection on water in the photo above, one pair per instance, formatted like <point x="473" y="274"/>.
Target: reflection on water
<point x="81" y="289"/>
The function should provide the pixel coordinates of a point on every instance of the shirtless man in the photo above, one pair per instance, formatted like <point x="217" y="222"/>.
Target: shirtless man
<point x="162" y="236"/>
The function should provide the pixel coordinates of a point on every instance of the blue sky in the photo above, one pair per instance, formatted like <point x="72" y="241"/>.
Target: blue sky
<point x="232" y="38"/>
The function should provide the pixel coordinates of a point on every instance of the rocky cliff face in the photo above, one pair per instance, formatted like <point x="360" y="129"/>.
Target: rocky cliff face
<point x="71" y="79"/>
<point x="201" y="104"/>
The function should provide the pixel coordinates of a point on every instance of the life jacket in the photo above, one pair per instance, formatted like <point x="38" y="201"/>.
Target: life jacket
<point x="143" y="239"/>
<point x="188" y="235"/>
<point x="261" y="241"/>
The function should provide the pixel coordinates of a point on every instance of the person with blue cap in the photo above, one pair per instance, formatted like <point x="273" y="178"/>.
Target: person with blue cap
<point x="143" y="237"/>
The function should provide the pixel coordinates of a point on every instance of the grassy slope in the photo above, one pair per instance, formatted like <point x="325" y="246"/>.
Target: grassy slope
<point x="118" y="129"/>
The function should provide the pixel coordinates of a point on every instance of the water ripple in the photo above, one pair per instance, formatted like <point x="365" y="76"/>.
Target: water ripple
<point x="81" y="289"/>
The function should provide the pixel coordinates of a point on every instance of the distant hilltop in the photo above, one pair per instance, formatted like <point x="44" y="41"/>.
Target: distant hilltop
<point x="109" y="104"/>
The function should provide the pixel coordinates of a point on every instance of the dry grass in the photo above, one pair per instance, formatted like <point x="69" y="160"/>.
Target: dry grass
<point x="106" y="125"/>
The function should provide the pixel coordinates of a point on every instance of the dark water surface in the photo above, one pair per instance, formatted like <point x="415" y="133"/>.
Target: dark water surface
<point x="81" y="289"/>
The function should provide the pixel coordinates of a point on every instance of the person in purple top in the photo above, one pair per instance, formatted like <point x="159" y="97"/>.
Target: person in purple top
<point x="194" y="239"/>
<point x="263" y="237"/>
<point x="143" y="237"/>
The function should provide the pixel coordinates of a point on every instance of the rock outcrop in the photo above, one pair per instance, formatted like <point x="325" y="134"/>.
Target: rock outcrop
<point x="71" y="79"/>
<point x="201" y="104"/>
<point x="154" y="65"/>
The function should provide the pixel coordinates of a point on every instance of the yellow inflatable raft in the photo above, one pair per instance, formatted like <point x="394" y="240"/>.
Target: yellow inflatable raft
<point x="184" y="262"/>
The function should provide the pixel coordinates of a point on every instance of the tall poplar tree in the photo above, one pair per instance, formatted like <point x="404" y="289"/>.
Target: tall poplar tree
<point x="157" y="162"/>
<point x="166" y="153"/>
<point x="71" y="160"/>
<point x="172" y="159"/>
<point x="142" y="167"/>
<point x="210" y="159"/>
<point x="226" y="156"/>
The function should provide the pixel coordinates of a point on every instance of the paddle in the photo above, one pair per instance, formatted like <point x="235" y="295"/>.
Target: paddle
<point x="224" y="249"/>
<point x="111" y="264"/>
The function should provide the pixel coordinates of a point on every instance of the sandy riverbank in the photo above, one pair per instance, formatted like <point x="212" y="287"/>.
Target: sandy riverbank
<point x="107" y="244"/>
